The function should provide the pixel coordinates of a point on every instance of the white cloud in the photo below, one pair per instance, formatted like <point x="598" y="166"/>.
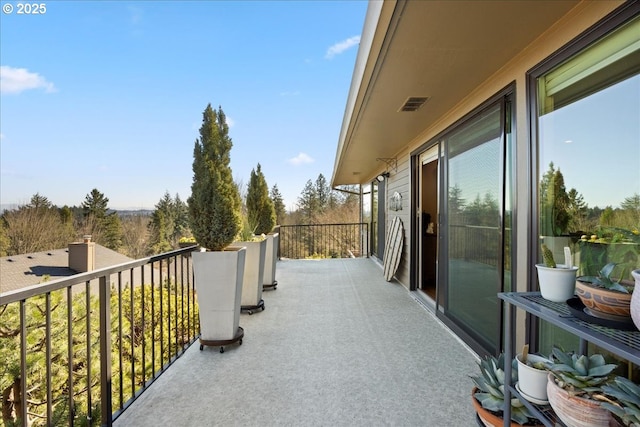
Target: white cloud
<point x="230" y="122"/>
<point x="342" y="46"/>
<point x="300" y="159"/>
<point x="16" y="80"/>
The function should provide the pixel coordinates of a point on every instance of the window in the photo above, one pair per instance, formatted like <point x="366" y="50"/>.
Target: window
<point x="588" y="135"/>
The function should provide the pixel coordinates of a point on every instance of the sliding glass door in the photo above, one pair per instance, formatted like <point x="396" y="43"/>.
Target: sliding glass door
<point x="477" y="180"/>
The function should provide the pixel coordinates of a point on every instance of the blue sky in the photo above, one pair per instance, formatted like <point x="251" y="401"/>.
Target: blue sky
<point x="110" y="94"/>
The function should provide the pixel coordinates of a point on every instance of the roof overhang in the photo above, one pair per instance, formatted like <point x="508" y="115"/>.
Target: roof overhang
<point x="440" y="50"/>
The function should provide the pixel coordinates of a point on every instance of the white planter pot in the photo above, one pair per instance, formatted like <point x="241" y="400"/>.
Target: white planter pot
<point x="218" y="283"/>
<point x="557" y="284"/>
<point x="271" y="257"/>
<point x="635" y="299"/>
<point x="253" y="272"/>
<point x="532" y="382"/>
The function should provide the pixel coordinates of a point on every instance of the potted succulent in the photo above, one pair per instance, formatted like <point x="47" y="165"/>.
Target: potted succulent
<point x="214" y="216"/>
<point x="532" y="376"/>
<point x="488" y="394"/>
<point x="623" y="401"/>
<point x="557" y="281"/>
<point x="604" y="295"/>
<point x="572" y="385"/>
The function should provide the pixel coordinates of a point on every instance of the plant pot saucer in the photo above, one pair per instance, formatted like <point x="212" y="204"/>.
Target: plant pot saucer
<point x="531" y="399"/>
<point x="579" y="310"/>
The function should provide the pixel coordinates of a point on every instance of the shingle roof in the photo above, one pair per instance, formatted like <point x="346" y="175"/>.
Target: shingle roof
<point x="19" y="271"/>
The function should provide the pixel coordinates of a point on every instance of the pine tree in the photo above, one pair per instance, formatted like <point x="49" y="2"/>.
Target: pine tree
<point x="260" y="210"/>
<point x="104" y="227"/>
<point x="214" y="204"/>
<point x="95" y="204"/>
<point x="323" y="192"/>
<point x="308" y="203"/>
<point x="278" y="204"/>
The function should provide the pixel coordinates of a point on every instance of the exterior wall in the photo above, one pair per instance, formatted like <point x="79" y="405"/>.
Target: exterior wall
<point x="570" y="26"/>
<point x="400" y="181"/>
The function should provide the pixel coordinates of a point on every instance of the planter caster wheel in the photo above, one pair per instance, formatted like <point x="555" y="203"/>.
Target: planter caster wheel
<point x="240" y="342"/>
<point x="201" y="347"/>
<point x="250" y="312"/>
<point x="221" y="349"/>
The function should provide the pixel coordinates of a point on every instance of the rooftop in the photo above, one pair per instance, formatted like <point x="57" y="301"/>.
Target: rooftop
<point x="20" y="271"/>
<point x="336" y="345"/>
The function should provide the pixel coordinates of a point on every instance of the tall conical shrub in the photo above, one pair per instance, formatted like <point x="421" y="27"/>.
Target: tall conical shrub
<point x="214" y="204"/>
<point x="260" y="209"/>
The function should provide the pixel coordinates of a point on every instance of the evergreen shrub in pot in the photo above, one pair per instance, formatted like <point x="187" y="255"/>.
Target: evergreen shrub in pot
<point x="261" y="212"/>
<point x="214" y="216"/>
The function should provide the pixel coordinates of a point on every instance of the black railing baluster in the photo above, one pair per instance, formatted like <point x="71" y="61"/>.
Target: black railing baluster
<point x="132" y="324"/>
<point x="120" y="381"/>
<point x="48" y="356"/>
<point x="106" y="409"/>
<point x="23" y="362"/>
<point x="70" y="353"/>
<point x="89" y="359"/>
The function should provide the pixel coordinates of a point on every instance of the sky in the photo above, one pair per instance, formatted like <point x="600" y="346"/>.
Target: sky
<point x="110" y="94"/>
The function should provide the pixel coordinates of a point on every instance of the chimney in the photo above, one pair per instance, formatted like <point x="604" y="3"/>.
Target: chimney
<point x="82" y="255"/>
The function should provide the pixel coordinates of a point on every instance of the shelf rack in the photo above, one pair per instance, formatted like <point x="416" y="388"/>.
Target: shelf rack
<point x="625" y="344"/>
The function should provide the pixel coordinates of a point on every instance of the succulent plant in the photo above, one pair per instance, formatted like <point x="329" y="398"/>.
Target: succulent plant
<point x="547" y="256"/>
<point x="580" y="375"/>
<point x="491" y="385"/>
<point x="604" y="280"/>
<point x="626" y="400"/>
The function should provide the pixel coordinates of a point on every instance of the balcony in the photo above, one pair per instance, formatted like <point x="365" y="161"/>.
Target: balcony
<point x="336" y="345"/>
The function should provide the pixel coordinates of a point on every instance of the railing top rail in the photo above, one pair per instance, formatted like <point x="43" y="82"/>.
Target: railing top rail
<point x="54" y="285"/>
<point x="314" y="225"/>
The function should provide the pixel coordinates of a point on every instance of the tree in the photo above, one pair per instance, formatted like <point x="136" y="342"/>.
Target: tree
<point x="104" y="227"/>
<point x="260" y="210"/>
<point x="308" y="202"/>
<point x="278" y="204"/>
<point x="214" y="204"/>
<point x="95" y="204"/>
<point x="135" y="236"/>
<point x="323" y="192"/>
<point x="554" y="203"/>
<point x="37" y="226"/>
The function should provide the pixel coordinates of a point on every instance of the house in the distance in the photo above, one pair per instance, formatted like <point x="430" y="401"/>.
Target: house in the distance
<point x="24" y="270"/>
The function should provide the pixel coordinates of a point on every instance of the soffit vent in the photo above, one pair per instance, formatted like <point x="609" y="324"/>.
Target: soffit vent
<point x="413" y="103"/>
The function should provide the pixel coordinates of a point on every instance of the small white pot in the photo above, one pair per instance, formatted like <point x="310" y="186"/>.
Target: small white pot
<point x="532" y="382"/>
<point x="557" y="284"/>
<point x="635" y="299"/>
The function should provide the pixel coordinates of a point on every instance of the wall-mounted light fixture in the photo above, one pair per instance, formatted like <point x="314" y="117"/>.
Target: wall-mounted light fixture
<point x="382" y="176"/>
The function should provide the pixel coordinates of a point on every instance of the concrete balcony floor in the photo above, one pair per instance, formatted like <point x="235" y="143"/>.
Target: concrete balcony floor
<point x="337" y="345"/>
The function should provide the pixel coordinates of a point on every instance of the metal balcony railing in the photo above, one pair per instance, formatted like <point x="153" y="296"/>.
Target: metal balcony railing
<point x="79" y="350"/>
<point x="324" y="241"/>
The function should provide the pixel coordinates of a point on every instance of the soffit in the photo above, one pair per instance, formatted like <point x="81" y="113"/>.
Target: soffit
<point x="436" y="49"/>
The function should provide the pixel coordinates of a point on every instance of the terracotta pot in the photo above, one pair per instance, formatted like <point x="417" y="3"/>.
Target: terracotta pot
<point x="603" y="301"/>
<point x="488" y="418"/>
<point x="635" y="299"/>
<point x="575" y="411"/>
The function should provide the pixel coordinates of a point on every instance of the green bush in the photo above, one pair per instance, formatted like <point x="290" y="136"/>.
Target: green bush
<point x="214" y="204"/>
